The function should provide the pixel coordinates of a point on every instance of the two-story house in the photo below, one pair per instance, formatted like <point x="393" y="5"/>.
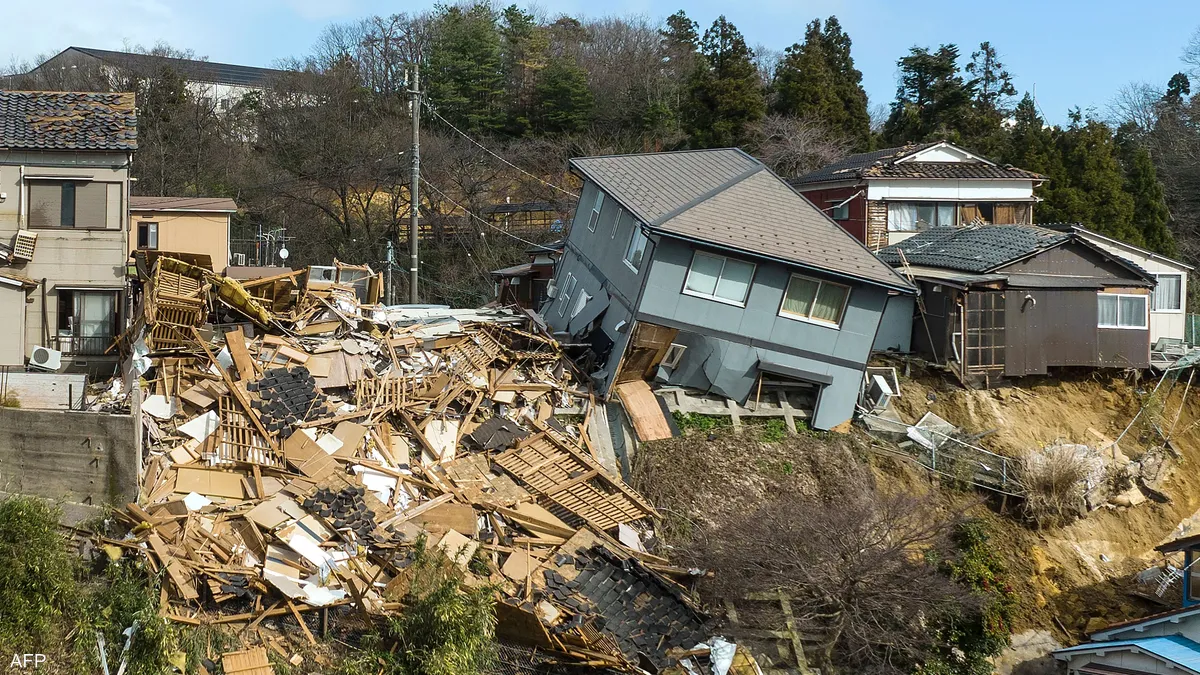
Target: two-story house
<point x="704" y="269"/>
<point x="64" y="195"/>
<point x="885" y="196"/>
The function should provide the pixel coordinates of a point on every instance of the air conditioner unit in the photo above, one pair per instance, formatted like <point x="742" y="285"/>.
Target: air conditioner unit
<point x="551" y="290"/>
<point x="45" y="358"/>
<point x="239" y="259"/>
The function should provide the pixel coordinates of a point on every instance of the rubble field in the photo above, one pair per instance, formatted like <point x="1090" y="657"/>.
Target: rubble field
<point x="297" y="462"/>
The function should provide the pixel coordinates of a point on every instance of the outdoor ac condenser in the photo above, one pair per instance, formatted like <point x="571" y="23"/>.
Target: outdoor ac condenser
<point x="44" y="358"/>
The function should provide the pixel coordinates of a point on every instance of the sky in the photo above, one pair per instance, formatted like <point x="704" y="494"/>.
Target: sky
<point x="1068" y="52"/>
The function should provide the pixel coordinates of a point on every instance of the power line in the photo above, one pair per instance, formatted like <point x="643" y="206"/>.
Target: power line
<point x="481" y="146"/>
<point x="443" y="195"/>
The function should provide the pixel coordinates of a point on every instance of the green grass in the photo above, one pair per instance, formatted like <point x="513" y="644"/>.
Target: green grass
<point x="699" y="423"/>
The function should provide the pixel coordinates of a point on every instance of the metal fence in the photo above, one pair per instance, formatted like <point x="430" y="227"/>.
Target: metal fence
<point x="1191" y="329"/>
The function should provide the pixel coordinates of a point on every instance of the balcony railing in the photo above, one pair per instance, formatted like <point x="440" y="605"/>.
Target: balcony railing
<point x="71" y="345"/>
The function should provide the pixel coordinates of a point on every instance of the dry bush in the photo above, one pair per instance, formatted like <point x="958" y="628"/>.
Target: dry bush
<point x="1053" y="484"/>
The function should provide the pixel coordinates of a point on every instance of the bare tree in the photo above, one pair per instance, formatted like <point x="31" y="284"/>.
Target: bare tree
<point x="793" y="147"/>
<point x="856" y="567"/>
<point x="1135" y="103"/>
<point x="1191" y="52"/>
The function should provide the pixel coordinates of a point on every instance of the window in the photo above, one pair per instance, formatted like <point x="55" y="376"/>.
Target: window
<point x="719" y="278"/>
<point x="636" y="249"/>
<point x="840" y="211"/>
<point x="617" y="223"/>
<point x="1168" y="293"/>
<point x="597" y="204"/>
<point x="147" y="236"/>
<point x="918" y="216"/>
<point x="87" y="321"/>
<point x="814" y="300"/>
<point x="68" y="203"/>
<point x="1117" y="310"/>
<point x="673" y="356"/>
<point x="567" y="289"/>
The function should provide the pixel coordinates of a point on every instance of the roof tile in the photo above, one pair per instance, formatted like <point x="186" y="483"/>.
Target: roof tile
<point x="57" y="120"/>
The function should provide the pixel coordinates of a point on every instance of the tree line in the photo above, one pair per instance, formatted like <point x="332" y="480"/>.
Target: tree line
<point x="323" y="150"/>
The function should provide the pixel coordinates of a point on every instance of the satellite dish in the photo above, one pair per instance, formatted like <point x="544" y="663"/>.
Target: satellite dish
<point x="283" y="253"/>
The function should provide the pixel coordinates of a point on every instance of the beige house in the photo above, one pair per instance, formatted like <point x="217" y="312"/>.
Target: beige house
<point x="182" y="225"/>
<point x="64" y="195"/>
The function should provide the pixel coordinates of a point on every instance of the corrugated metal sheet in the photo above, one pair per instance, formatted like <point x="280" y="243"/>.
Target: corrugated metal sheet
<point x="1175" y="649"/>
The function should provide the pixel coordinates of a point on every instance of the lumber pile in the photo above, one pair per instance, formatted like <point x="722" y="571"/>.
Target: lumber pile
<point x="296" y="460"/>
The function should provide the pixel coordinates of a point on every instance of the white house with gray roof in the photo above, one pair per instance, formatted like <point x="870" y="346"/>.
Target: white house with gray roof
<point x="704" y="269"/>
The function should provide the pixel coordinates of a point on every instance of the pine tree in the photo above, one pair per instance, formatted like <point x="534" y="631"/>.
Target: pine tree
<point x="564" y="100"/>
<point x="1091" y="188"/>
<point x="805" y="84"/>
<point x="524" y="47"/>
<point x="855" y="124"/>
<point x="933" y="101"/>
<point x="464" y="77"/>
<point x="993" y="100"/>
<point x="1149" y="203"/>
<point x="724" y="96"/>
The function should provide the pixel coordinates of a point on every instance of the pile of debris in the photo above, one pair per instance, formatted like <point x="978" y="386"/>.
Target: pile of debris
<point x="296" y="461"/>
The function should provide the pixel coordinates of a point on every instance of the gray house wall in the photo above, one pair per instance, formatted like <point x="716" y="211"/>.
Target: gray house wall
<point x="896" y="327"/>
<point x="739" y="337"/>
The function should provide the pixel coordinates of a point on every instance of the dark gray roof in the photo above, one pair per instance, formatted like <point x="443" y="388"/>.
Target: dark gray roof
<point x="191" y="69"/>
<point x="57" y="120"/>
<point x="886" y="164"/>
<point x="972" y="249"/>
<point x="728" y="199"/>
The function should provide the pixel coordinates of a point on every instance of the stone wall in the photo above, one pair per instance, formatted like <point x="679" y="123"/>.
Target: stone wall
<point x="80" y="457"/>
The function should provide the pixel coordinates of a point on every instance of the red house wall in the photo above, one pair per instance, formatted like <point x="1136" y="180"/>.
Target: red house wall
<point x="856" y="224"/>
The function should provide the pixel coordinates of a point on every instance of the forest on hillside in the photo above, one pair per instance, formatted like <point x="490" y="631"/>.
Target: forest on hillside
<point x="511" y="94"/>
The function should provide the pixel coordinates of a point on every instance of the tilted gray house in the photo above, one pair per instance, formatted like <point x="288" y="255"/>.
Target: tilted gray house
<point x="704" y="269"/>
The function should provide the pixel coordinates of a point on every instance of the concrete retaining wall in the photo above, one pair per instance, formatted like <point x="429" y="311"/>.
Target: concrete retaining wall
<point x="87" y="458"/>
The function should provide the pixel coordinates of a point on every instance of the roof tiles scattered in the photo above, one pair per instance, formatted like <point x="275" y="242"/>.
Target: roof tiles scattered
<point x="886" y="164"/>
<point x="973" y="249"/>
<point x="727" y="198"/>
<point x="57" y="120"/>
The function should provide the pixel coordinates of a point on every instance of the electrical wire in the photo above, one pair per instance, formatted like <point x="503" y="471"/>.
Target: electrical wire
<point x="483" y="147"/>
<point x="443" y="195"/>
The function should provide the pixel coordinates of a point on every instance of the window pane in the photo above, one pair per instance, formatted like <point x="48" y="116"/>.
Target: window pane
<point x="1167" y="294"/>
<point x="798" y="299"/>
<point x="45" y="204"/>
<point x="829" y="303"/>
<point x="925" y="215"/>
<point x="1132" y="310"/>
<point x="735" y="280"/>
<point x="67" y="219"/>
<point x="598" y="203"/>
<point x="704" y="274"/>
<point x="840" y="212"/>
<point x="1108" y="310"/>
<point x="902" y="217"/>
<point x="637" y="246"/>
<point x="945" y="215"/>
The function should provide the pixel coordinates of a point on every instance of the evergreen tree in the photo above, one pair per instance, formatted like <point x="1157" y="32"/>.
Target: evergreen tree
<point x="524" y="47"/>
<point x="992" y="104"/>
<point x="855" y="123"/>
<point x="933" y="100"/>
<point x="817" y="81"/>
<point x="724" y="96"/>
<point x="1091" y="186"/>
<point x="464" y="78"/>
<point x="1149" y="202"/>
<point x="681" y="34"/>
<point x="564" y="100"/>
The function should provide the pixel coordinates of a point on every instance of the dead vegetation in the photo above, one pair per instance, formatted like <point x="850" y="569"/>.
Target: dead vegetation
<point x="1053" y="484"/>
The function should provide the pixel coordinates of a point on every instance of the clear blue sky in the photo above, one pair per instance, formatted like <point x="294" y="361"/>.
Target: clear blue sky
<point x="1076" y="52"/>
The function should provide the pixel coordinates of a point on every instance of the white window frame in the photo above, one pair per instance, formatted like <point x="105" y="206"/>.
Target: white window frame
<point x="637" y="232"/>
<point x="809" y="319"/>
<point x="716" y="298"/>
<point x="1145" y="314"/>
<point x="597" y="206"/>
<point x="1154" y="295"/>
<point x="914" y="203"/>
<point x="673" y="356"/>
<point x="568" y="288"/>
<point x="617" y="222"/>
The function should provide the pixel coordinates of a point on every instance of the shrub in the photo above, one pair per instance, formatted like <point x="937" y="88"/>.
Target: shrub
<point x="10" y="401"/>
<point x="38" y="585"/>
<point x="700" y="423"/>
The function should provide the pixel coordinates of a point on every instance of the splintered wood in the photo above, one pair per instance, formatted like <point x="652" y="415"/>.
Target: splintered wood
<point x="295" y="463"/>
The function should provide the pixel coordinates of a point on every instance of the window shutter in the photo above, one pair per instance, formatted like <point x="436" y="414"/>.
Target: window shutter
<point x="91" y="205"/>
<point x="45" y="204"/>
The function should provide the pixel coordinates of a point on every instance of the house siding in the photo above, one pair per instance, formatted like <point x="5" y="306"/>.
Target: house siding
<point x="757" y="329"/>
<point x="203" y="233"/>
<point x="1165" y="323"/>
<point x="65" y="256"/>
<point x="856" y="224"/>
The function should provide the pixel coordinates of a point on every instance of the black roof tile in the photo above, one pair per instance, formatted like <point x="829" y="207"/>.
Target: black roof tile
<point x="972" y="249"/>
<point x="59" y="120"/>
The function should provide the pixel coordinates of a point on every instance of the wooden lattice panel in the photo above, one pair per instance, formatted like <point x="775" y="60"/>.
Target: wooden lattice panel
<point x="24" y="244"/>
<point x="476" y="352"/>
<point x="240" y="441"/>
<point x="384" y="394"/>
<point x="573" y="482"/>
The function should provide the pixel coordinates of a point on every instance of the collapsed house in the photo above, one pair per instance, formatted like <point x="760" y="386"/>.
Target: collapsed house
<point x="707" y="271"/>
<point x="1012" y="300"/>
<point x="298" y="457"/>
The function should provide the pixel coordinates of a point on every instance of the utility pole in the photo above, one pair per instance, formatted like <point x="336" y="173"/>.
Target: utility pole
<point x="389" y="290"/>
<point x="414" y="201"/>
